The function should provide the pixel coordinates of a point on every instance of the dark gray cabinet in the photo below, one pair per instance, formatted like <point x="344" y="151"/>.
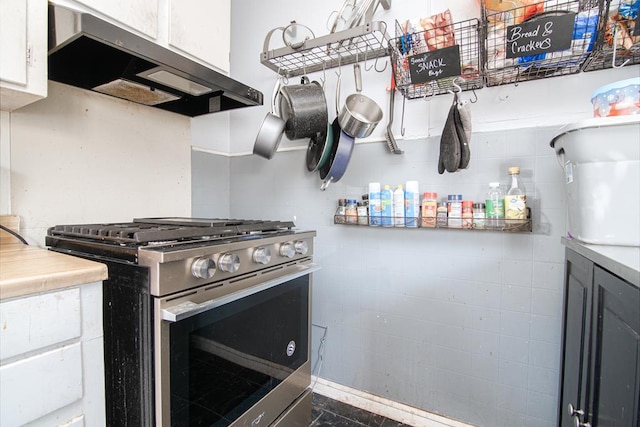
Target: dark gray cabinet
<point x="600" y="377"/>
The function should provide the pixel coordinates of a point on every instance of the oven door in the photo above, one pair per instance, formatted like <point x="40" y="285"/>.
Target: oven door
<point x="234" y="353"/>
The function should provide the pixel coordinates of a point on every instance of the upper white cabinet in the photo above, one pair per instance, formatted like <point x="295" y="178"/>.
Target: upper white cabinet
<point x="141" y="15"/>
<point x="23" y="52"/>
<point x="203" y="29"/>
<point x="200" y="29"/>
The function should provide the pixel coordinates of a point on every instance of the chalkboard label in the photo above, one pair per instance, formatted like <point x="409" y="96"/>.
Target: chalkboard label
<point x="636" y="28"/>
<point x="542" y="35"/>
<point x="435" y="65"/>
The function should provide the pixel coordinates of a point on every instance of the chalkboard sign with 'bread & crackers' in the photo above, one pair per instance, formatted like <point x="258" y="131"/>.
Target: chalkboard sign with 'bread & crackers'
<point x="541" y="34"/>
<point x="435" y="65"/>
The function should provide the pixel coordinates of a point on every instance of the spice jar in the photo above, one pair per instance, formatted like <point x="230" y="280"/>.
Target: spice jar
<point x="441" y="214"/>
<point x="351" y="211"/>
<point x="479" y="220"/>
<point x="339" y="217"/>
<point x="467" y="214"/>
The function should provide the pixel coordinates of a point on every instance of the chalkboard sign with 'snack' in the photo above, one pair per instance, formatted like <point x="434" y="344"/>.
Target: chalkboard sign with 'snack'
<point x="435" y="65"/>
<point x="540" y="35"/>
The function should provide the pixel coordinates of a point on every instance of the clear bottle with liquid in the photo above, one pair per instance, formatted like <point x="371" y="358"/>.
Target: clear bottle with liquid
<point x="515" y="202"/>
<point x="494" y="206"/>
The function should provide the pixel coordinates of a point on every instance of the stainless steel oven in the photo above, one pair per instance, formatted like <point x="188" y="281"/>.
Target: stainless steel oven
<point x="208" y="329"/>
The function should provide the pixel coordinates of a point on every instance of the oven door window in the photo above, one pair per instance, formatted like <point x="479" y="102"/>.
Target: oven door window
<point x="225" y="360"/>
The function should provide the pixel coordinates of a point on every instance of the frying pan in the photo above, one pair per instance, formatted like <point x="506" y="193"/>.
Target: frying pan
<point x="318" y="150"/>
<point x="341" y="150"/>
<point x="271" y="130"/>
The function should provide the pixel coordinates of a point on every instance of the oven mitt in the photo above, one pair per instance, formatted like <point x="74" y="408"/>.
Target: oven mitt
<point x="449" y="143"/>
<point x="463" y="126"/>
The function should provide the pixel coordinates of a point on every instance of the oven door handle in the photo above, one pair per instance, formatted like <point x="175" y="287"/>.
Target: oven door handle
<point x="188" y="309"/>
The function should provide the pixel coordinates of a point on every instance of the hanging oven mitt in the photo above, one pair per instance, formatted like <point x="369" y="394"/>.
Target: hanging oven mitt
<point x="463" y="127"/>
<point x="449" y="142"/>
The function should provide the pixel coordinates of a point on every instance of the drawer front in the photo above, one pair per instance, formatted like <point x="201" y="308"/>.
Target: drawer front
<point x="35" y="386"/>
<point x="40" y="321"/>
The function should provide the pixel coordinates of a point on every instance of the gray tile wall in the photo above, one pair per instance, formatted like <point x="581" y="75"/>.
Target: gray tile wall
<point x="209" y="185"/>
<point x="461" y="323"/>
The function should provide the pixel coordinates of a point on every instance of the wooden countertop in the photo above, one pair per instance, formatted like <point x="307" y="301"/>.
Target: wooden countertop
<point x="27" y="269"/>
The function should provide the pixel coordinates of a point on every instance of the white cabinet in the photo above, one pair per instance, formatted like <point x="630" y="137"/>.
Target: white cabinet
<point x="203" y="29"/>
<point x="51" y="358"/>
<point x="23" y="52"/>
<point x="141" y="15"/>
<point x="200" y="29"/>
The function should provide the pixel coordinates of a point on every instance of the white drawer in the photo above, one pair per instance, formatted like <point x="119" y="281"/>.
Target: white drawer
<point x="31" y="323"/>
<point x="35" y="386"/>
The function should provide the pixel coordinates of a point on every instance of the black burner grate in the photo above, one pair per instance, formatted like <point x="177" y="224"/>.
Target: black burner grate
<point x="149" y="230"/>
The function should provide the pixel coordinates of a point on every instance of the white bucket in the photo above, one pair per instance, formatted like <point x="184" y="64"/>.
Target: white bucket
<point x="601" y="159"/>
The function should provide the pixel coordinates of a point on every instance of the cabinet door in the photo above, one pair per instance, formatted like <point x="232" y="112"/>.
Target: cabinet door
<point x="616" y="349"/>
<point x="141" y="15"/>
<point x="576" y="332"/>
<point x="23" y="49"/>
<point x="202" y="29"/>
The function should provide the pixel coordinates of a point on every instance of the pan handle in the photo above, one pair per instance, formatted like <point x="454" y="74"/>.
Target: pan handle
<point x="326" y="183"/>
<point x="358" y="76"/>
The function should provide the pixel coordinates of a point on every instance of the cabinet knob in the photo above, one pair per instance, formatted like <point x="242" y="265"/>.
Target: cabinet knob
<point x="576" y="414"/>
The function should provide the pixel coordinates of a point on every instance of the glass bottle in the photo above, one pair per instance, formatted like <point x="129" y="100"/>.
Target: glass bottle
<point x="515" y="203"/>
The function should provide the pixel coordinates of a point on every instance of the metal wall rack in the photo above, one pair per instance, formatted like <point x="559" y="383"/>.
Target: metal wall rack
<point x="362" y="43"/>
<point x="616" y="45"/>
<point x="467" y="36"/>
<point x="500" y="70"/>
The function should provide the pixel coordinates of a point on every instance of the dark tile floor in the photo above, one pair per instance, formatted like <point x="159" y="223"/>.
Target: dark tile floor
<point x="329" y="412"/>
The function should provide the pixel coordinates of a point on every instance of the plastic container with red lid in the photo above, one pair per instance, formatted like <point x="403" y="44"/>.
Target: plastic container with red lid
<point x="621" y="98"/>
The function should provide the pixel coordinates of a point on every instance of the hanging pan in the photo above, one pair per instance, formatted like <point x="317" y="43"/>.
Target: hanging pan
<point x="270" y="133"/>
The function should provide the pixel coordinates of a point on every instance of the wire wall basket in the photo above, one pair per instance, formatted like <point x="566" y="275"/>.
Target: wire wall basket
<point x="618" y="42"/>
<point x="434" y="61"/>
<point x="363" y="43"/>
<point x="545" y="39"/>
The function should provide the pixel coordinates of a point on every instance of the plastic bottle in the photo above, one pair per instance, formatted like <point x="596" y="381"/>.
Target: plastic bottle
<point x="495" y="206"/>
<point x="398" y="207"/>
<point x="363" y="210"/>
<point x="375" y="207"/>
<point x="386" y="203"/>
<point x="412" y="204"/>
<point x="429" y="209"/>
<point x="515" y="203"/>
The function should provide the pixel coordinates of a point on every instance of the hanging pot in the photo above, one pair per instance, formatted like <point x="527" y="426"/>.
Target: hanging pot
<point x="271" y="130"/>
<point x="360" y="114"/>
<point x="304" y="110"/>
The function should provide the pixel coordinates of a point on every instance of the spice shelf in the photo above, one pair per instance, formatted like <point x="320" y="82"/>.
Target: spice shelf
<point x="510" y="225"/>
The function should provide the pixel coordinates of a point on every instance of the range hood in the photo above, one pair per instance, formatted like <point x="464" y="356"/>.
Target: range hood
<point x="87" y="52"/>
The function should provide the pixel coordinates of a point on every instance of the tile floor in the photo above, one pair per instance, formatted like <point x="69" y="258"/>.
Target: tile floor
<point x="329" y="412"/>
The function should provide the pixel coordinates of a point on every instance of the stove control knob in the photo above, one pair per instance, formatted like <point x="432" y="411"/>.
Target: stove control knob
<point x="229" y="263"/>
<point x="302" y="247"/>
<point x="287" y="250"/>
<point x="262" y="256"/>
<point x="203" y="268"/>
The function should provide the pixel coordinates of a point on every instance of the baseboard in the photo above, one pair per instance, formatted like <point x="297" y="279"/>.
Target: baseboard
<point x="379" y="405"/>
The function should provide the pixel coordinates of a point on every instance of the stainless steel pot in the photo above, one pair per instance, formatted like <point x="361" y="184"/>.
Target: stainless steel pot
<point x="360" y="114"/>
<point x="272" y="128"/>
<point x="304" y="109"/>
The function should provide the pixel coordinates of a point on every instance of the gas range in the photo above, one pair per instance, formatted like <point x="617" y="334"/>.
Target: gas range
<point x="183" y="253"/>
<point x="206" y="321"/>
